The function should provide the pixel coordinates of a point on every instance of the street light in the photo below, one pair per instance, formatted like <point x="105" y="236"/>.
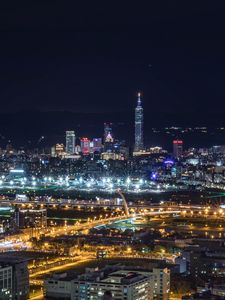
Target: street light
<point x="111" y="185"/>
<point x="137" y="186"/>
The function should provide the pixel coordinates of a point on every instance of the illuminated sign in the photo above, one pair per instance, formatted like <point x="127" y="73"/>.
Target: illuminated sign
<point x="168" y="162"/>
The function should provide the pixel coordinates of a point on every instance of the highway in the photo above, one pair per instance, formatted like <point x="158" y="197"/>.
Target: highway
<point x="17" y="241"/>
<point x="76" y="204"/>
<point x="14" y="241"/>
<point x="21" y="240"/>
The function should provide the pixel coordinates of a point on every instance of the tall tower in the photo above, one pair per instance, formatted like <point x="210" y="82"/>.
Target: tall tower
<point x="108" y="132"/>
<point x="177" y="148"/>
<point x="70" y="142"/>
<point x="108" y="137"/>
<point x="139" y="144"/>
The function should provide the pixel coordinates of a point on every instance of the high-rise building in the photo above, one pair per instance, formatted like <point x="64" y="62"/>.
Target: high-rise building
<point x="70" y="142"/>
<point x="108" y="133"/>
<point x="85" y="146"/>
<point x="177" y="148"/>
<point x="17" y="277"/>
<point x="25" y="218"/>
<point x="57" y="150"/>
<point x="5" y="282"/>
<point x="97" y="144"/>
<point x="77" y="149"/>
<point x="108" y="138"/>
<point x="161" y="283"/>
<point x="139" y="119"/>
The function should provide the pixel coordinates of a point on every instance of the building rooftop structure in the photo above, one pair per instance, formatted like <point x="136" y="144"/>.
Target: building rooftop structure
<point x="123" y="282"/>
<point x="12" y="258"/>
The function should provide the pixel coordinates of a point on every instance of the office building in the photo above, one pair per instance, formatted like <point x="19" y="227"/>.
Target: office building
<point x="97" y="144"/>
<point x="108" y="132"/>
<point x="161" y="283"/>
<point x="25" y="218"/>
<point x="70" y="142"/>
<point x="121" y="282"/>
<point x="177" y="148"/>
<point x="85" y="146"/>
<point x="77" y="149"/>
<point x="6" y="282"/>
<point x="112" y="156"/>
<point x="108" y="138"/>
<point x="58" y="150"/>
<point x="139" y="119"/>
<point x="16" y="277"/>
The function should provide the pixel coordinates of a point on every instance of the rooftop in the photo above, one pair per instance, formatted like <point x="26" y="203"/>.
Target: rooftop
<point x="115" y="274"/>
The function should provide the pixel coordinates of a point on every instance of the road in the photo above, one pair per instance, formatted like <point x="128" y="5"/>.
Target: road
<point x="21" y="240"/>
<point x="81" y="259"/>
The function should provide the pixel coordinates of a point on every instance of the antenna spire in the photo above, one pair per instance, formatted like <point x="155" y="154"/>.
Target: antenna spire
<point x="139" y="99"/>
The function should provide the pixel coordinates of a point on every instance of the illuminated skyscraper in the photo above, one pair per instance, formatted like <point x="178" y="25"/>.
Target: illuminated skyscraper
<point x="70" y="142"/>
<point x="97" y="144"/>
<point x="108" y="137"/>
<point x="108" y="134"/>
<point x="177" y="148"/>
<point x="85" y="146"/>
<point x="139" y="144"/>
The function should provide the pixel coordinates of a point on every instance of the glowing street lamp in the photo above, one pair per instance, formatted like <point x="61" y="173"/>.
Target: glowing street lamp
<point x="128" y="180"/>
<point x="88" y="184"/>
<point x="111" y="185"/>
<point x="141" y="181"/>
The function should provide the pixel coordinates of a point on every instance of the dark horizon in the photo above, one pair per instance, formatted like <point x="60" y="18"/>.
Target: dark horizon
<point x="52" y="125"/>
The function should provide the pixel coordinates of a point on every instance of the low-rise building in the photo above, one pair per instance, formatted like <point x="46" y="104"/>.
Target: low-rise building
<point x="121" y="282"/>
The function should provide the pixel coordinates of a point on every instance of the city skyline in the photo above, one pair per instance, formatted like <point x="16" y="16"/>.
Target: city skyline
<point x="112" y="150"/>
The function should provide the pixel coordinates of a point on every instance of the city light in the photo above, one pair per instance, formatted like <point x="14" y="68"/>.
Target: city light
<point x="105" y="194"/>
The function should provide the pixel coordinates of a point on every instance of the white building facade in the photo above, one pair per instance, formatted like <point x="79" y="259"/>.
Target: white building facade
<point x="121" y="284"/>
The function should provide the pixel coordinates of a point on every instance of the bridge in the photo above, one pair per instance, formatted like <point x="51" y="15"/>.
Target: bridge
<point x="76" y="204"/>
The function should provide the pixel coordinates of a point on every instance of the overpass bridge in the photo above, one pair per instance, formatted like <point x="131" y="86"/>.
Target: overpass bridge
<point x="74" y="204"/>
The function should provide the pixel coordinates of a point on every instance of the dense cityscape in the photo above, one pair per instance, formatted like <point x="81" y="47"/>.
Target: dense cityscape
<point x="112" y="151"/>
<point x="96" y="217"/>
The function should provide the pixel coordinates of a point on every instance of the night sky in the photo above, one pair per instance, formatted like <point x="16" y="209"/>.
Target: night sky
<point x="94" y="57"/>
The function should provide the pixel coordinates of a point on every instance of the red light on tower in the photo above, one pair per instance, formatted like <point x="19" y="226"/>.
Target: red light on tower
<point x="85" y="145"/>
<point x="177" y="148"/>
<point x="178" y="142"/>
